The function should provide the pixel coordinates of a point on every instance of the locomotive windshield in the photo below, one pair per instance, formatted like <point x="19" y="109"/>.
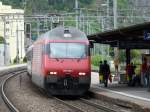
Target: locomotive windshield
<point x="68" y="50"/>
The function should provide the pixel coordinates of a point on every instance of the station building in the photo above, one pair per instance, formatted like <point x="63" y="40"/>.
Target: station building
<point x="12" y="31"/>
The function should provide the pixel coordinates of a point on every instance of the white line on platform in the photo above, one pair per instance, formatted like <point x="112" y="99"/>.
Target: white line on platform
<point x="125" y="94"/>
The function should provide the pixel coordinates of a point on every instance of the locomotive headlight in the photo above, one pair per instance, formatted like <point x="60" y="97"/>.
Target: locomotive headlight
<point x="82" y="73"/>
<point x="53" y="73"/>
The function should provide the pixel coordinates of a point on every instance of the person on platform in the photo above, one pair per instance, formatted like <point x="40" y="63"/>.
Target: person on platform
<point x="100" y="72"/>
<point x="148" y="76"/>
<point x="144" y="68"/>
<point x="136" y="80"/>
<point x="130" y="69"/>
<point x="106" y="73"/>
<point x="116" y="64"/>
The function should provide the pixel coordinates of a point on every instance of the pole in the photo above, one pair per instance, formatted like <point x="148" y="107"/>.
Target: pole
<point x="128" y="56"/>
<point x="17" y="44"/>
<point x="76" y="8"/>
<point x="4" y="40"/>
<point x="21" y="43"/>
<point x="107" y="8"/>
<point x="115" y="13"/>
<point x="116" y="49"/>
<point x="38" y="28"/>
<point x="108" y="23"/>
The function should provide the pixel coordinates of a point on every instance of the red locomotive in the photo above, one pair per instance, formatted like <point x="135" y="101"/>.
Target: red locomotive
<point x="59" y="61"/>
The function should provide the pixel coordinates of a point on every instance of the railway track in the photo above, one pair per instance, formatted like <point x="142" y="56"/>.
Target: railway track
<point x="102" y="107"/>
<point x="5" y="98"/>
<point x="85" y="104"/>
<point x="94" y="105"/>
<point x="70" y="105"/>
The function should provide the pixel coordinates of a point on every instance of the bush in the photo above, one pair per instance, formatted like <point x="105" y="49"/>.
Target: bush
<point x="15" y="60"/>
<point x="25" y="59"/>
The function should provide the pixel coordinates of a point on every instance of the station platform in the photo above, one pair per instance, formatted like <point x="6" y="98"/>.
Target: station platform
<point x="132" y="97"/>
<point x="3" y="68"/>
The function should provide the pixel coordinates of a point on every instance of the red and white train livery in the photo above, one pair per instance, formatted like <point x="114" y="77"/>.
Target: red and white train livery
<point x="59" y="61"/>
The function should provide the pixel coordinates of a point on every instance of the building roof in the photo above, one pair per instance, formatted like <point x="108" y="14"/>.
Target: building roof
<point x="128" y="37"/>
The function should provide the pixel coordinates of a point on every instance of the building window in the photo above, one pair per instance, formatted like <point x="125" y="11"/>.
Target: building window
<point x="7" y="22"/>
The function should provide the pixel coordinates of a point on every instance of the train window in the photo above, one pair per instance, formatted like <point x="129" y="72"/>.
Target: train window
<point x="68" y="50"/>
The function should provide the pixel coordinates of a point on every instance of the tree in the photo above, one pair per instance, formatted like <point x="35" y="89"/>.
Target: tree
<point x="1" y="40"/>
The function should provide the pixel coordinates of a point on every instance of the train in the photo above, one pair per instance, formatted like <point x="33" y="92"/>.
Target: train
<point x="59" y="61"/>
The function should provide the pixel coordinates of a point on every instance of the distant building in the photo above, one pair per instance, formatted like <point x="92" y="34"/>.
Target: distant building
<point x="12" y="30"/>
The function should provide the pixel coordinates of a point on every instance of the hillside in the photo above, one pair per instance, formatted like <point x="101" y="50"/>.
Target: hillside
<point x="46" y="6"/>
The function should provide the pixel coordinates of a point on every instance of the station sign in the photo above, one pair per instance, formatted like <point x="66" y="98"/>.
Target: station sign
<point x="147" y="35"/>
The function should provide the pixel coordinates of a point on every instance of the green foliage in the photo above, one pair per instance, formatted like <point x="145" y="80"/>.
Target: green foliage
<point x="15" y="60"/>
<point x="1" y="39"/>
<point x="37" y="6"/>
<point x="13" y="3"/>
<point x="122" y="4"/>
<point x="68" y="5"/>
<point x="111" y="51"/>
<point x="95" y="26"/>
<point x="96" y="59"/>
<point x="25" y="59"/>
<point x="122" y="56"/>
<point x="136" y="56"/>
<point x="70" y="23"/>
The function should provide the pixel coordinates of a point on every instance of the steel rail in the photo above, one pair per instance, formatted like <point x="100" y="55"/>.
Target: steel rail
<point x="102" y="107"/>
<point x="7" y="73"/>
<point x="5" y="98"/>
<point x="69" y="105"/>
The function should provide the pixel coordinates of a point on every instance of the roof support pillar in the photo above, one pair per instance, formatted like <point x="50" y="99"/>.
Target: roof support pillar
<point x="128" y="58"/>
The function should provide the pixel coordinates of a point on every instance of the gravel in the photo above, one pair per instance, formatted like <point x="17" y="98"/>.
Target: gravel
<point x="28" y="98"/>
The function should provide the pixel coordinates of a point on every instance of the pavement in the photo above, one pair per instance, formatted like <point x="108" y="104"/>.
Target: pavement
<point x="137" y="96"/>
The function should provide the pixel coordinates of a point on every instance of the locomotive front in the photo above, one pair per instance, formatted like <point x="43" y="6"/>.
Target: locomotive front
<point x="67" y="62"/>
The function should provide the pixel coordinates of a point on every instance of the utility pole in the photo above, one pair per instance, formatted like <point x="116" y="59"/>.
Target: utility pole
<point x="38" y="28"/>
<point x="115" y="13"/>
<point x="107" y="8"/>
<point x="4" y="19"/>
<point x="108" y="24"/>
<point x="116" y="49"/>
<point x="108" y="20"/>
<point x="17" y="44"/>
<point x="76" y="8"/>
<point x="21" y="43"/>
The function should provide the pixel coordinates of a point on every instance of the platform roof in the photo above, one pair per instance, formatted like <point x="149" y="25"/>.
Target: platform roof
<point x="128" y="37"/>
